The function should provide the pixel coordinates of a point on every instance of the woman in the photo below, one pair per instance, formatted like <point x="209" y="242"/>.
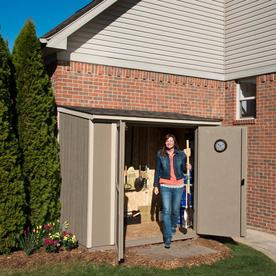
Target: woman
<point x="169" y="176"/>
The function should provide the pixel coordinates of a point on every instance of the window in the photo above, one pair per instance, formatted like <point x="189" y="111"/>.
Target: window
<point x="246" y="98"/>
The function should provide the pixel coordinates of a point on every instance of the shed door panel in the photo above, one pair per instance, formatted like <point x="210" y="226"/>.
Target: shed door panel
<point x="103" y="209"/>
<point x="219" y="202"/>
<point x="120" y="191"/>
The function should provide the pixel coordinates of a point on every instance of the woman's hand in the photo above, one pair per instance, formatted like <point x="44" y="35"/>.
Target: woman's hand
<point x="189" y="166"/>
<point x="156" y="190"/>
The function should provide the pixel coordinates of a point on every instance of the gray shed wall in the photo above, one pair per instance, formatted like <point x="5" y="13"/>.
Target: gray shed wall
<point x="74" y="135"/>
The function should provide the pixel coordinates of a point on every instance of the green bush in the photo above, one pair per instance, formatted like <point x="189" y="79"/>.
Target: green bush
<point x="12" y="199"/>
<point x="37" y="129"/>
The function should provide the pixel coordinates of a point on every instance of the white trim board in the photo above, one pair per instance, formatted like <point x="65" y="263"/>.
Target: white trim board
<point x="59" y="40"/>
<point x="90" y="185"/>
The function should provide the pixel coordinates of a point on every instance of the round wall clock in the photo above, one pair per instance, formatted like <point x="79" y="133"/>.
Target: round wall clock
<point x="220" y="145"/>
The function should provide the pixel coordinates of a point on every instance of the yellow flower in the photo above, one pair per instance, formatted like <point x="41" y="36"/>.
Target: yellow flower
<point x="66" y="224"/>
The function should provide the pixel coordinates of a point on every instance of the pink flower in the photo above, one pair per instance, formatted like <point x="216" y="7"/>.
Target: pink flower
<point x="65" y="233"/>
<point x="50" y="242"/>
<point x="47" y="226"/>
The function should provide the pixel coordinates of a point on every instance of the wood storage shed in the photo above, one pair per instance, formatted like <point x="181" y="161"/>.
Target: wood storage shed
<point x="97" y="147"/>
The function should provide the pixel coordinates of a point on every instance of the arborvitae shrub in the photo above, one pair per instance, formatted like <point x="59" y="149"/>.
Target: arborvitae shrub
<point x="37" y="128"/>
<point x="12" y="194"/>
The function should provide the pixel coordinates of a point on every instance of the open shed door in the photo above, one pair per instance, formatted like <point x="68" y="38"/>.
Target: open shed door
<point x="108" y="186"/>
<point x="220" y="181"/>
<point x="120" y="191"/>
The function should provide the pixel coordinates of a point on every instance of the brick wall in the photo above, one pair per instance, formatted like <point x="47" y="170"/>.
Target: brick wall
<point x="78" y="84"/>
<point x="261" y="196"/>
<point x="97" y="86"/>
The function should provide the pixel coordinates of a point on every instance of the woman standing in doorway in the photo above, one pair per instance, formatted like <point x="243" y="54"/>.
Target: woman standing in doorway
<point x="169" y="176"/>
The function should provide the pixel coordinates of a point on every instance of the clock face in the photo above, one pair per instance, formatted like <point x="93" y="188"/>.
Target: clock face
<point x="220" y="145"/>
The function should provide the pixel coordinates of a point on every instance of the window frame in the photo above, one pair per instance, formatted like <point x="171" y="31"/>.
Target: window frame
<point x="240" y="98"/>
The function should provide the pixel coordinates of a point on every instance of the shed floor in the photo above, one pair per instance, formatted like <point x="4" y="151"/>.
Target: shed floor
<point x="150" y="233"/>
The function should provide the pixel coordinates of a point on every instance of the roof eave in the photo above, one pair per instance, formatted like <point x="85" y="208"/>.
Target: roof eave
<point x="137" y="115"/>
<point x="59" y="39"/>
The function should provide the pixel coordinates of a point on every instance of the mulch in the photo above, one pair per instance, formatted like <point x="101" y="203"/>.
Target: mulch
<point x="222" y="252"/>
<point x="18" y="260"/>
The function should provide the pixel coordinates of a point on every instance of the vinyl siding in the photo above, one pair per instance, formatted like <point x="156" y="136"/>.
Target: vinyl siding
<point x="250" y="38"/>
<point x="178" y="37"/>
<point x="220" y="40"/>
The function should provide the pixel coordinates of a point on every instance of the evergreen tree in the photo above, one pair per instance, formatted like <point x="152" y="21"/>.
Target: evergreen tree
<point x="36" y="128"/>
<point x="12" y="194"/>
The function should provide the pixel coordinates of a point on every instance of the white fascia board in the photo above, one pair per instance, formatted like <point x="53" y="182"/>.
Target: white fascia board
<point x="60" y="44"/>
<point x="43" y="40"/>
<point x="59" y="40"/>
<point x="135" y="119"/>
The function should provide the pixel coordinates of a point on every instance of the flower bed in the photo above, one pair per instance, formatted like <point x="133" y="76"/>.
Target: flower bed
<point x="52" y="236"/>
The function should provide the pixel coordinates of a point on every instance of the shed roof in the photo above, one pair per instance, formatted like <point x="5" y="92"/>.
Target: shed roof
<point x="140" y="114"/>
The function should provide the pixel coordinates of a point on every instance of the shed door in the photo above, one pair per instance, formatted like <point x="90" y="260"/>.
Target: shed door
<point x="220" y="181"/>
<point x="108" y="186"/>
<point x="104" y="178"/>
<point x="120" y="191"/>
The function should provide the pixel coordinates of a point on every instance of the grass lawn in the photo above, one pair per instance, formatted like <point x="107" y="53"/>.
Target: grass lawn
<point x="245" y="261"/>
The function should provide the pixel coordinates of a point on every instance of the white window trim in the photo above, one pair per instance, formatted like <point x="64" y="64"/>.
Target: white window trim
<point x="240" y="98"/>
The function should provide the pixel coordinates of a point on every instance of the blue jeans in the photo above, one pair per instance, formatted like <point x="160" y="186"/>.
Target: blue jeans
<point x="171" y="198"/>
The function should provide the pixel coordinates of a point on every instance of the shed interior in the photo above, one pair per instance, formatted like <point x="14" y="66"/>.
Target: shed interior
<point x="143" y="211"/>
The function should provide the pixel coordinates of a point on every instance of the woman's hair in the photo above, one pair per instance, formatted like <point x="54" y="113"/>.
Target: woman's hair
<point x="164" y="150"/>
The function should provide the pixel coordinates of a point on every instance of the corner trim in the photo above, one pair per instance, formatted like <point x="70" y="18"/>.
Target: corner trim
<point x="90" y="185"/>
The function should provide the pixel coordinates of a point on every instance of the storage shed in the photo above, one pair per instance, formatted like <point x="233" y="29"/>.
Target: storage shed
<point x="95" y="148"/>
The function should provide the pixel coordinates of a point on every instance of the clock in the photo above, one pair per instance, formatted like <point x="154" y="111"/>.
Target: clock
<point x="220" y="145"/>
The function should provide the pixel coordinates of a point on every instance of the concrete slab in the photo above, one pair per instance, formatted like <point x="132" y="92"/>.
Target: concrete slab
<point x="261" y="241"/>
<point x="177" y="250"/>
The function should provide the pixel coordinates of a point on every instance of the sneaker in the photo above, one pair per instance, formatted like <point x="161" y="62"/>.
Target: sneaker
<point x="168" y="243"/>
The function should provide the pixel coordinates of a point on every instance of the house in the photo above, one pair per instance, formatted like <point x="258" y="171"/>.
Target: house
<point x="126" y="72"/>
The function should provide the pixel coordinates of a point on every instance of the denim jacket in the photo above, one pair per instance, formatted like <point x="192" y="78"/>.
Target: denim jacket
<point x="162" y="169"/>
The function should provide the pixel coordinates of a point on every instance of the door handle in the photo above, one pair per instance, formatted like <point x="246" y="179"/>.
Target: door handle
<point x="242" y="182"/>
